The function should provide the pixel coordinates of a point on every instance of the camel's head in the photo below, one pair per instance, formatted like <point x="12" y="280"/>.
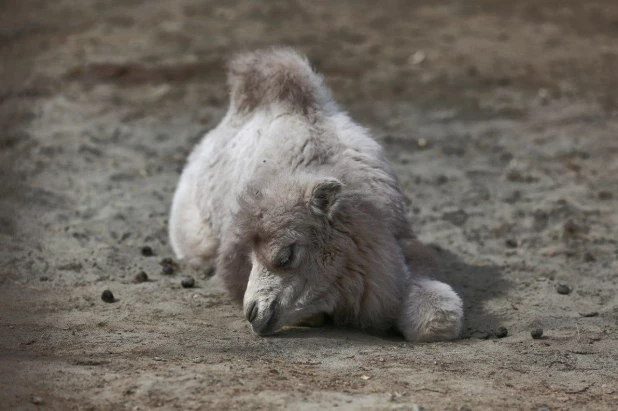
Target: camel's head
<point x="297" y="254"/>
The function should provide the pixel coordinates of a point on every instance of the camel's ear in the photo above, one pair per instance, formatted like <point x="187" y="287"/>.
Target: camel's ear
<point x="324" y="196"/>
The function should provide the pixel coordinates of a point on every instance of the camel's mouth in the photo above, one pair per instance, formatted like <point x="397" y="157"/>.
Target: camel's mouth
<point x="263" y="323"/>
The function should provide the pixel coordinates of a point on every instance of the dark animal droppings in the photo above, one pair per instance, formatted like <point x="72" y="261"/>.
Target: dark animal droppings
<point x="536" y="333"/>
<point x="210" y="272"/>
<point x="511" y="243"/>
<point x="107" y="296"/>
<point x="501" y="332"/>
<point x="141" y="277"/>
<point x="188" y="282"/>
<point x="147" y="251"/>
<point x="168" y="266"/>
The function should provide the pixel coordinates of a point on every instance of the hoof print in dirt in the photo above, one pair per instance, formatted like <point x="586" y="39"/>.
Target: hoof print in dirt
<point x="536" y="333"/>
<point x="108" y="297"/>
<point x="141" y="277"/>
<point x="168" y="266"/>
<point x="563" y="289"/>
<point x="147" y="251"/>
<point x="501" y="332"/>
<point x="188" y="282"/>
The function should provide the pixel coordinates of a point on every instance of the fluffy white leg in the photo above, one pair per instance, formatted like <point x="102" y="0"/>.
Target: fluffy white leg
<point x="432" y="311"/>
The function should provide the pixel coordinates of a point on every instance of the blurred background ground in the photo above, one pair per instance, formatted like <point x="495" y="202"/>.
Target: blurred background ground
<point x="501" y="119"/>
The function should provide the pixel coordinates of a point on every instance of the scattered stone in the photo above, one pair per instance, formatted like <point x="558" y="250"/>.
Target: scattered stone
<point x="147" y="251"/>
<point x="473" y="71"/>
<point x="417" y="58"/>
<point x="514" y="197"/>
<point x="541" y="220"/>
<point x="44" y="278"/>
<point x="37" y="400"/>
<point x="141" y="277"/>
<point x="589" y="313"/>
<point x="504" y="81"/>
<point x="536" y="333"/>
<point x="514" y="175"/>
<point x="454" y="151"/>
<point x="442" y="179"/>
<point x="605" y="195"/>
<point x="563" y="289"/>
<point x="517" y="177"/>
<point x="108" y="297"/>
<point x="457" y="218"/>
<point x="572" y="230"/>
<point x="501" y="332"/>
<point x="511" y="243"/>
<point x="588" y="257"/>
<point x="188" y="282"/>
<point x="197" y="360"/>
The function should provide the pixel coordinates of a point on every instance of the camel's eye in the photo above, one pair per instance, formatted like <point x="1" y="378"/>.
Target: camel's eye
<point x="284" y="257"/>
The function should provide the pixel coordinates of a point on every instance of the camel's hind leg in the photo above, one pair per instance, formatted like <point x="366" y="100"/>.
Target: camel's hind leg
<point x="191" y="237"/>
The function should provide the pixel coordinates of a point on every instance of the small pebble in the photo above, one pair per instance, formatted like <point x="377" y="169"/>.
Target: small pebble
<point x="511" y="243"/>
<point x="188" y="282"/>
<point x="141" y="277"/>
<point x="147" y="251"/>
<point x="501" y="332"/>
<point x="107" y="296"/>
<point x="37" y="400"/>
<point x="563" y="289"/>
<point x="536" y="333"/>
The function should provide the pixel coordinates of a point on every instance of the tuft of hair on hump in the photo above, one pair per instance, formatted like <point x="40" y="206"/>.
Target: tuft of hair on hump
<point x="281" y="75"/>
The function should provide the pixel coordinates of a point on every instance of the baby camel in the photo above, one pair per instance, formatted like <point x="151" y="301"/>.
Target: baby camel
<point x="302" y="214"/>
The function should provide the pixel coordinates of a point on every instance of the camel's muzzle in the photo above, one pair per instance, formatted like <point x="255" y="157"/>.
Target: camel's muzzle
<point x="262" y="323"/>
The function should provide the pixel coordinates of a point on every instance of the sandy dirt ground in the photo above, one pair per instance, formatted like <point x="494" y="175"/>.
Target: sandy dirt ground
<point x="501" y="118"/>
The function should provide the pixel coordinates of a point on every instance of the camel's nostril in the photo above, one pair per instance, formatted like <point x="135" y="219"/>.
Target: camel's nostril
<point x="252" y="311"/>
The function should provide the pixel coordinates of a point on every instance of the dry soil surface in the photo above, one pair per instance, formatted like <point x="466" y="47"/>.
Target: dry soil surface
<point x="501" y="118"/>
